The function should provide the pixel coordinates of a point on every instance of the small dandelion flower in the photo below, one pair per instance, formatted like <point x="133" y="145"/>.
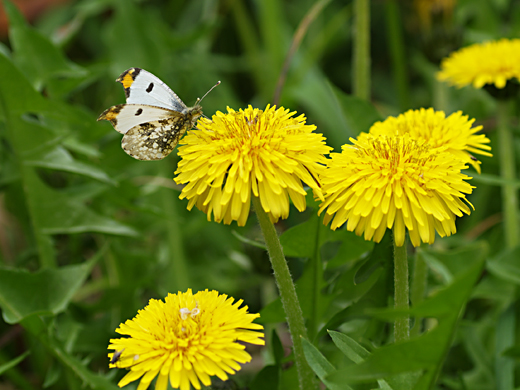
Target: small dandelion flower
<point x="186" y="339"/>
<point x="268" y="153"/>
<point x="382" y="182"/>
<point x="453" y="133"/>
<point x="492" y="62"/>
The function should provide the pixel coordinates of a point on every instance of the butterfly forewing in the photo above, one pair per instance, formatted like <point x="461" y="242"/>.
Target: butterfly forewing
<point x="153" y="118"/>
<point x="142" y="87"/>
<point x="125" y="116"/>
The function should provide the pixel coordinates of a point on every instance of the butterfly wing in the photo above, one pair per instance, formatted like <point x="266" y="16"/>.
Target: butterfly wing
<point x="125" y="116"/>
<point x="142" y="87"/>
<point x="156" y="139"/>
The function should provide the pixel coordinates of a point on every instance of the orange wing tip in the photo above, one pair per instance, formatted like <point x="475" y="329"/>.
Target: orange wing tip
<point x="127" y="78"/>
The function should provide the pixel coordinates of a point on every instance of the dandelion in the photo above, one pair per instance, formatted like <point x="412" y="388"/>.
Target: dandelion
<point x="186" y="339"/>
<point x="269" y="153"/>
<point x="397" y="182"/>
<point x="493" y="62"/>
<point x="454" y="133"/>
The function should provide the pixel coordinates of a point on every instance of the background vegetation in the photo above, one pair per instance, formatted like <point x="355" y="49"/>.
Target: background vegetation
<point x="88" y="235"/>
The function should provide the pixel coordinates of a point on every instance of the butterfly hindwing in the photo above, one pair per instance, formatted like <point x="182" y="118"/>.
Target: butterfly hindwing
<point x="142" y="87"/>
<point x="155" y="140"/>
<point x="125" y="116"/>
<point x="153" y="118"/>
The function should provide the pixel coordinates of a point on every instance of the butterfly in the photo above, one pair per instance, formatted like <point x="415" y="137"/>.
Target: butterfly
<point x="154" y="118"/>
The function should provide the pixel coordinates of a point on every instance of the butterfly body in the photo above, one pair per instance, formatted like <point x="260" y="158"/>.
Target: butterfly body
<point x="154" y="118"/>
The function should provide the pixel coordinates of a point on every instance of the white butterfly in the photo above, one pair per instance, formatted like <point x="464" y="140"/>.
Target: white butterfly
<point x="154" y="118"/>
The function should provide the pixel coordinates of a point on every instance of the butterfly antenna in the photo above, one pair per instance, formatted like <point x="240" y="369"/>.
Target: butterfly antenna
<point x="206" y="94"/>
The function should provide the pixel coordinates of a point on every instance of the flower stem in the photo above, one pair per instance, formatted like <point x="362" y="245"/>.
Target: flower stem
<point x="418" y="289"/>
<point x="396" y="45"/>
<point x="288" y="295"/>
<point x="361" y="66"/>
<point x="178" y="277"/>
<point x="401" y="292"/>
<point x="507" y="171"/>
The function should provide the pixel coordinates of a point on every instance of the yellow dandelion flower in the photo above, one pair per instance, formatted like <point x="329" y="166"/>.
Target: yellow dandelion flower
<point x="492" y="62"/>
<point x="267" y="152"/>
<point x="382" y="182"/>
<point x="454" y="133"/>
<point x="186" y="339"/>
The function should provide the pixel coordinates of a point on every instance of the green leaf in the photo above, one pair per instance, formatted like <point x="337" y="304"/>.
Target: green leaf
<point x="267" y="379"/>
<point x="94" y="381"/>
<point x="342" y="115"/>
<point x="425" y="352"/>
<point x="301" y="240"/>
<point x="60" y="159"/>
<point x="505" y="265"/>
<point x="13" y="363"/>
<point x="58" y="213"/>
<point x="36" y="55"/>
<point x="278" y="350"/>
<point x="45" y="292"/>
<point x="349" y="347"/>
<point x="321" y="366"/>
<point x="17" y="94"/>
<point x="355" y="352"/>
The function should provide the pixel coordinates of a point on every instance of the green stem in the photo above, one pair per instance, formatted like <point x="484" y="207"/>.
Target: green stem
<point x="505" y="339"/>
<point x="506" y="155"/>
<point x="288" y="295"/>
<point x="397" y="52"/>
<point x="418" y="289"/>
<point x="316" y="277"/>
<point x="440" y="95"/>
<point x="401" y="292"/>
<point x="361" y="68"/>
<point x="177" y="272"/>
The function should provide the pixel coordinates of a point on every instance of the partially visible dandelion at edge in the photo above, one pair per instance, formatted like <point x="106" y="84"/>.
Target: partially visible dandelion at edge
<point x="267" y="153"/>
<point x="186" y="339"/>
<point x="454" y="133"/>
<point x="384" y="182"/>
<point x="492" y="62"/>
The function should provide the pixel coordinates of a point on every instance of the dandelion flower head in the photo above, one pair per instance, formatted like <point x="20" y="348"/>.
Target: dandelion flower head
<point x="269" y="153"/>
<point x="454" y="133"/>
<point x="187" y="338"/>
<point x="397" y="182"/>
<point x="492" y="62"/>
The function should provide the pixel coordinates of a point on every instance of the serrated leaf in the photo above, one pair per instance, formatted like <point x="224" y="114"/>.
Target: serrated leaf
<point x="78" y="368"/>
<point x="349" y="347"/>
<point x="13" y="363"/>
<point x="59" y="213"/>
<point x="59" y="158"/>
<point x="355" y="352"/>
<point x="425" y="352"/>
<point x="45" y="292"/>
<point x="17" y="94"/>
<point x="301" y="240"/>
<point x="506" y="265"/>
<point x="35" y="54"/>
<point x="320" y="365"/>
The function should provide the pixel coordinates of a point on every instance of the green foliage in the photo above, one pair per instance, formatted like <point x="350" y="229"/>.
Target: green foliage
<point x="88" y="235"/>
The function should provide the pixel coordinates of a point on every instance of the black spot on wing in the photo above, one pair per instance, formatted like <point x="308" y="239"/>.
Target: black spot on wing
<point x="139" y="112"/>
<point x="150" y="87"/>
